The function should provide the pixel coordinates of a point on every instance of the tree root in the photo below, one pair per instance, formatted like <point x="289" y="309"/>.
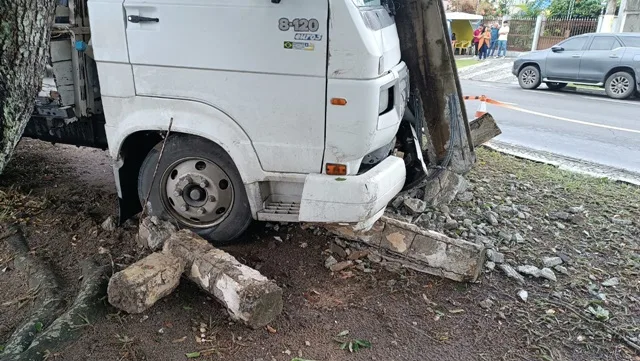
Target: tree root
<point x="46" y="329"/>
<point x="48" y="292"/>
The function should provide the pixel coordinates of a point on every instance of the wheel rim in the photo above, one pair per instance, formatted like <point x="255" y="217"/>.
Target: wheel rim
<point x="529" y="77"/>
<point x="197" y="192"/>
<point x="619" y="85"/>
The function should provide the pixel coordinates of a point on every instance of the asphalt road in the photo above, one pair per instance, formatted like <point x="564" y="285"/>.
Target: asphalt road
<point x="589" y="127"/>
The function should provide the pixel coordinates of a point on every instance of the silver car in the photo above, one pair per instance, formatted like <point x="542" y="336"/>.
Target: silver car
<point x="606" y="60"/>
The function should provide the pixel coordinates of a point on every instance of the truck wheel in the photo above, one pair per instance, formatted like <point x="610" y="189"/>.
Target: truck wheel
<point x="529" y="77"/>
<point x="198" y="186"/>
<point x="620" y="85"/>
<point x="556" y="86"/>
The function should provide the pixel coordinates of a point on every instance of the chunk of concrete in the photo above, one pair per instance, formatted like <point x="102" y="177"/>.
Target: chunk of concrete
<point x="154" y="232"/>
<point x="142" y="284"/>
<point x="248" y="296"/>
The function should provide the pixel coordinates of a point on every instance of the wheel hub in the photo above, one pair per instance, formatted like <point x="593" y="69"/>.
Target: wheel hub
<point x="619" y="85"/>
<point x="197" y="192"/>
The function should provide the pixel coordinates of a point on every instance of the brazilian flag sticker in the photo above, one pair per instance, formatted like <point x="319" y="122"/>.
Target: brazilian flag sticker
<point x="288" y="45"/>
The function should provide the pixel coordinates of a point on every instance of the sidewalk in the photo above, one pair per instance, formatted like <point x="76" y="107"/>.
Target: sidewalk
<point x="491" y="70"/>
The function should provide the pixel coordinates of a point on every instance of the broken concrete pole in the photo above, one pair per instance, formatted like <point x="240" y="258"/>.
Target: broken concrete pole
<point x="420" y="249"/>
<point x="483" y="129"/>
<point x="249" y="297"/>
<point x="153" y="232"/>
<point x="444" y="187"/>
<point x="142" y="284"/>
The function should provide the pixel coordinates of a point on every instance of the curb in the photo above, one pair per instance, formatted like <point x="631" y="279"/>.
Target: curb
<point x="566" y="163"/>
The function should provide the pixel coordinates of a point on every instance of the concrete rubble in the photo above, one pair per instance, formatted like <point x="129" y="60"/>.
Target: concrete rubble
<point x="154" y="232"/>
<point x="139" y="286"/>
<point x="248" y="296"/>
<point x="419" y="249"/>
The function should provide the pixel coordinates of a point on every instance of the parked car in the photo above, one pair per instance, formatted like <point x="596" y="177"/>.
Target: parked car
<point x="611" y="61"/>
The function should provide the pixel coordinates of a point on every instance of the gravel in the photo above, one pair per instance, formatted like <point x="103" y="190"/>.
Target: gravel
<point x="511" y="273"/>
<point x="551" y="261"/>
<point x="529" y="270"/>
<point x="548" y="274"/>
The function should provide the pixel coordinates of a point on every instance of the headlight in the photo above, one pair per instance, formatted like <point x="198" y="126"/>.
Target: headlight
<point x="384" y="101"/>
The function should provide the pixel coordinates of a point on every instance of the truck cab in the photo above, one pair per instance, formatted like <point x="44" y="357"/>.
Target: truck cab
<point x="217" y="112"/>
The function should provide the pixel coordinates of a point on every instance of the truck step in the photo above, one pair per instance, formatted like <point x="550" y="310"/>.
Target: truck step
<point x="279" y="211"/>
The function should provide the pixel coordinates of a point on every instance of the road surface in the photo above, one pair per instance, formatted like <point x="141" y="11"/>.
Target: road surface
<point x="589" y="127"/>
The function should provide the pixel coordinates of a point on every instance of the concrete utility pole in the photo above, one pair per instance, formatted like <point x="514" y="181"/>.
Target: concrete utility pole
<point x="629" y="17"/>
<point x="609" y="17"/>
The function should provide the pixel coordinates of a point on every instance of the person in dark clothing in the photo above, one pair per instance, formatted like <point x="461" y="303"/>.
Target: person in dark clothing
<point x="476" y="39"/>
<point x="495" y="33"/>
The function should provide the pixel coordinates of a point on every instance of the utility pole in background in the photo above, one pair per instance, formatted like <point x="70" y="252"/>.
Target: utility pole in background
<point x="629" y="16"/>
<point x="609" y="17"/>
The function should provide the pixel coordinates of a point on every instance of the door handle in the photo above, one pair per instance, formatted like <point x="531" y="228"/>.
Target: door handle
<point x="141" y="19"/>
<point x="575" y="56"/>
<point x="613" y="56"/>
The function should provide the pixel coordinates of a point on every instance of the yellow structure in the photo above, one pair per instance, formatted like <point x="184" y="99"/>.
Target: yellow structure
<point x="461" y="25"/>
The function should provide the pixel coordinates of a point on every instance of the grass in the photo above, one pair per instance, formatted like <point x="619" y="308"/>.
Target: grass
<point x="461" y="63"/>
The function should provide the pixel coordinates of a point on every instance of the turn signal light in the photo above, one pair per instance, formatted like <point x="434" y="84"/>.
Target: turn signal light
<point x="338" y="101"/>
<point x="336" y="169"/>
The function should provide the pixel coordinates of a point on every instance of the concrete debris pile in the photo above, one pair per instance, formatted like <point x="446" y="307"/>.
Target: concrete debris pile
<point x="248" y="296"/>
<point x="405" y="245"/>
<point x="495" y="224"/>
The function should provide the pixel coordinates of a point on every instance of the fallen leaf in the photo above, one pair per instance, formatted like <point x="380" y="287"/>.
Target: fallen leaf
<point x="193" y="354"/>
<point x="459" y="310"/>
<point x="271" y="329"/>
<point x="343" y="333"/>
<point x="38" y="326"/>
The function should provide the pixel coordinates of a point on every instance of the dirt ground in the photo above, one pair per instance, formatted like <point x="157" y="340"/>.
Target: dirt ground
<point x="62" y="194"/>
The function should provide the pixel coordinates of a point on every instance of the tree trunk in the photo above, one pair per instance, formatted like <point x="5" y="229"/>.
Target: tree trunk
<point x="25" y="28"/>
<point x="426" y="49"/>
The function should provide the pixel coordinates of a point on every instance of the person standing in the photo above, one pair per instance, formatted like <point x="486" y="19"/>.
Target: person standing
<point x="495" y="28"/>
<point x="503" y="35"/>
<point x="476" y="40"/>
<point x="483" y="44"/>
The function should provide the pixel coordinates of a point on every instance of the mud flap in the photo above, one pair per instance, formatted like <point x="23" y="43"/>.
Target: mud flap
<point x="408" y="142"/>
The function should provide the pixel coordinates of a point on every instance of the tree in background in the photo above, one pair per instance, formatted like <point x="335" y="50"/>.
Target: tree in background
<point x="581" y="8"/>
<point x="532" y="8"/>
<point x="464" y="6"/>
<point x="487" y="8"/>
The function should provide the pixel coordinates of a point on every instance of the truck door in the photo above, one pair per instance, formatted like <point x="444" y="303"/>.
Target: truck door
<point x="262" y="63"/>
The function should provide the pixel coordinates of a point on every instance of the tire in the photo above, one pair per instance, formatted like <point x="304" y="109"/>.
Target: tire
<point x="620" y="85"/>
<point x="220" y="213"/>
<point x="529" y="77"/>
<point x="556" y="86"/>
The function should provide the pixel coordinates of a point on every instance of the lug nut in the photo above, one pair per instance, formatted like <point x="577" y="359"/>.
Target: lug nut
<point x="184" y="207"/>
<point x="177" y="193"/>
<point x="212" y="198"/>
<point x="201" y="211"/>
<point x="204" y="183"/>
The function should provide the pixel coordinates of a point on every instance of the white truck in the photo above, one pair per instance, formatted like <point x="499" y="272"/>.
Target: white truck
<point x="279" y="110"/>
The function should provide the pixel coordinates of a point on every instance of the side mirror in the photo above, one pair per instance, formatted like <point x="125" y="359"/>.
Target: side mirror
<point x="557" y="49"/>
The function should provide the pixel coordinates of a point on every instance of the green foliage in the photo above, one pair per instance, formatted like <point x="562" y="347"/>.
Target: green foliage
<point x="192" y="354"/>
<point x="581" y="8"/>
<point x="532" y="8"/>
<point x="352" y="345"/>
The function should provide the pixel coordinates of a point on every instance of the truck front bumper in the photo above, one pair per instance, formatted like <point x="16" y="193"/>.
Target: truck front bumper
<point x="352" y="199"/>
